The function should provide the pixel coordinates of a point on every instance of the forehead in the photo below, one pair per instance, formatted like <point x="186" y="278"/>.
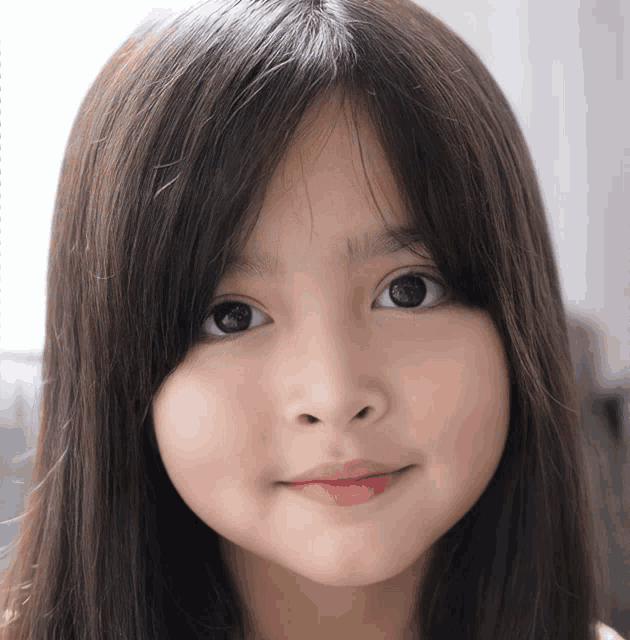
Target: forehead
<point x="334" y="164"/>
<point x="334" y="184"/>
<point x="336" y="145"/>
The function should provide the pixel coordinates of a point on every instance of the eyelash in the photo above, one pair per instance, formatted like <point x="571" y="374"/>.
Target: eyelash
<point x="412" y="272"/>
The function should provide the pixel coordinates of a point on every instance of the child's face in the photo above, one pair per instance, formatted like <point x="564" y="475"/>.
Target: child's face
<point x="327" y="341"/>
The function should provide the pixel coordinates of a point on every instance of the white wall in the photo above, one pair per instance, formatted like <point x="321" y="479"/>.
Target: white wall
<point x="564" y="65"/>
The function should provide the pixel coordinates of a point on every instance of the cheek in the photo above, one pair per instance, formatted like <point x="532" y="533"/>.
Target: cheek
<point x="459" y="407"/>
<point x="205" y="444"/>
<point x="474" y="441"/>
<point x="205" y="426"/>
<point x="482" y="429"/>
<point x="186" y="418"/>
<point x="438" y="397"/>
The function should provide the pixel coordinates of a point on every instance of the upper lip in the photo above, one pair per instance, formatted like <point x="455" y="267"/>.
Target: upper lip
<point x="344" y="470"/>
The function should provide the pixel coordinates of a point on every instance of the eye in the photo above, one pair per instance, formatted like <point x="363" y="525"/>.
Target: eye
<point x="412" y="289"/>
<point x="230" y="317"/>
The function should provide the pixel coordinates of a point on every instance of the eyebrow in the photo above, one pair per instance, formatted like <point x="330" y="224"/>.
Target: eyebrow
<point x="386" y="241"/>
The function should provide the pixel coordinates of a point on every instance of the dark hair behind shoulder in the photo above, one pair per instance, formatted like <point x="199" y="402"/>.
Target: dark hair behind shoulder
<point x="164" y="174"/>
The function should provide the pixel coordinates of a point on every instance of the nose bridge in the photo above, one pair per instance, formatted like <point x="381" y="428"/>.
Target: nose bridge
<point x="328" y="330"/>
<point x="330" y="348"/>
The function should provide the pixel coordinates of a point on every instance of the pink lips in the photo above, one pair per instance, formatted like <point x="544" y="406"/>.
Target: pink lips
<point x="346" y="484"/>
<point x="346" y="493"/>
<point x="344" y="471"/>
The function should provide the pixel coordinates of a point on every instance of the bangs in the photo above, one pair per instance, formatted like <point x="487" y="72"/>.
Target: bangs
<point x="418" y="232"/>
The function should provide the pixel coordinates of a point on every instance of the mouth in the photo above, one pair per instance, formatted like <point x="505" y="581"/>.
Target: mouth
<point x="348" y="492"/>
<point x="344" y="481"/>
<point x="352" y="470"/>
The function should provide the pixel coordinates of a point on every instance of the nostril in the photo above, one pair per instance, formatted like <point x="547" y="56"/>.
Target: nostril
<point x="312" y="420"/>
<point x="363" y="412"/>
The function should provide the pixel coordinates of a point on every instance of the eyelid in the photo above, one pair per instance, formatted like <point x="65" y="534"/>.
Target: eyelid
<point x="228" y="297"/>
<point x="423" y="270"/>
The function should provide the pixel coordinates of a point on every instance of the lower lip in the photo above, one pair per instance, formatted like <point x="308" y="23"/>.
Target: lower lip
<point x="347" y="493"/>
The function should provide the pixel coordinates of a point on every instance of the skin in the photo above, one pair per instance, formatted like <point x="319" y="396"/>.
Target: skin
<point x="328" y="341"/>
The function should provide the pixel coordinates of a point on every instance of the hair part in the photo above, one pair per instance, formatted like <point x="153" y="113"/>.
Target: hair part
<point x="165" y="172"/>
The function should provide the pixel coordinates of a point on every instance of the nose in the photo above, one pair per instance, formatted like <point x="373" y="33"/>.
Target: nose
<point x="326" y="375"/>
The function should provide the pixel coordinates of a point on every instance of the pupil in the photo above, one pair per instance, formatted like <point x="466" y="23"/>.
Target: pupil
<point x="233" y="316"/>
<point x="408" y="291"/>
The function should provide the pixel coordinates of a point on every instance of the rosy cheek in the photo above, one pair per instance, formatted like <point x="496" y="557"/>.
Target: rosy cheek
<point x="183" y="423"/>
<point x="187" y="410"/>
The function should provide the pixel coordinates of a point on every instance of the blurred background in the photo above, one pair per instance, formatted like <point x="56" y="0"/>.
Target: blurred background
<point x="564" y="66"/>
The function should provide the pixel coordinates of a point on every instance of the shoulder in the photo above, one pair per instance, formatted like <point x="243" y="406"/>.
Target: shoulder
<point x="605" y="632"/>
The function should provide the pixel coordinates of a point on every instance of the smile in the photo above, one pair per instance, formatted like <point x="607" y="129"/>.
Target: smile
<point x="351" y="491"/>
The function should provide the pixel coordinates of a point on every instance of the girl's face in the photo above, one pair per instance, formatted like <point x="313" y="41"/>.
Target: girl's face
<point x="335" y="365"/>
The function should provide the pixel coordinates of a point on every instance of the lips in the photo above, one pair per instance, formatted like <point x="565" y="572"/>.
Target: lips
<point x="351" y="492"/>
<point x="355" y="469"/>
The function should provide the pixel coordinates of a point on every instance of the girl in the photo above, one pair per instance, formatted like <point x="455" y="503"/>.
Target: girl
<point x="306" y="370"/>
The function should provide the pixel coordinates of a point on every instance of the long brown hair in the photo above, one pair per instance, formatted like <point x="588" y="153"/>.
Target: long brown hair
<point x="163" y="178"/>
